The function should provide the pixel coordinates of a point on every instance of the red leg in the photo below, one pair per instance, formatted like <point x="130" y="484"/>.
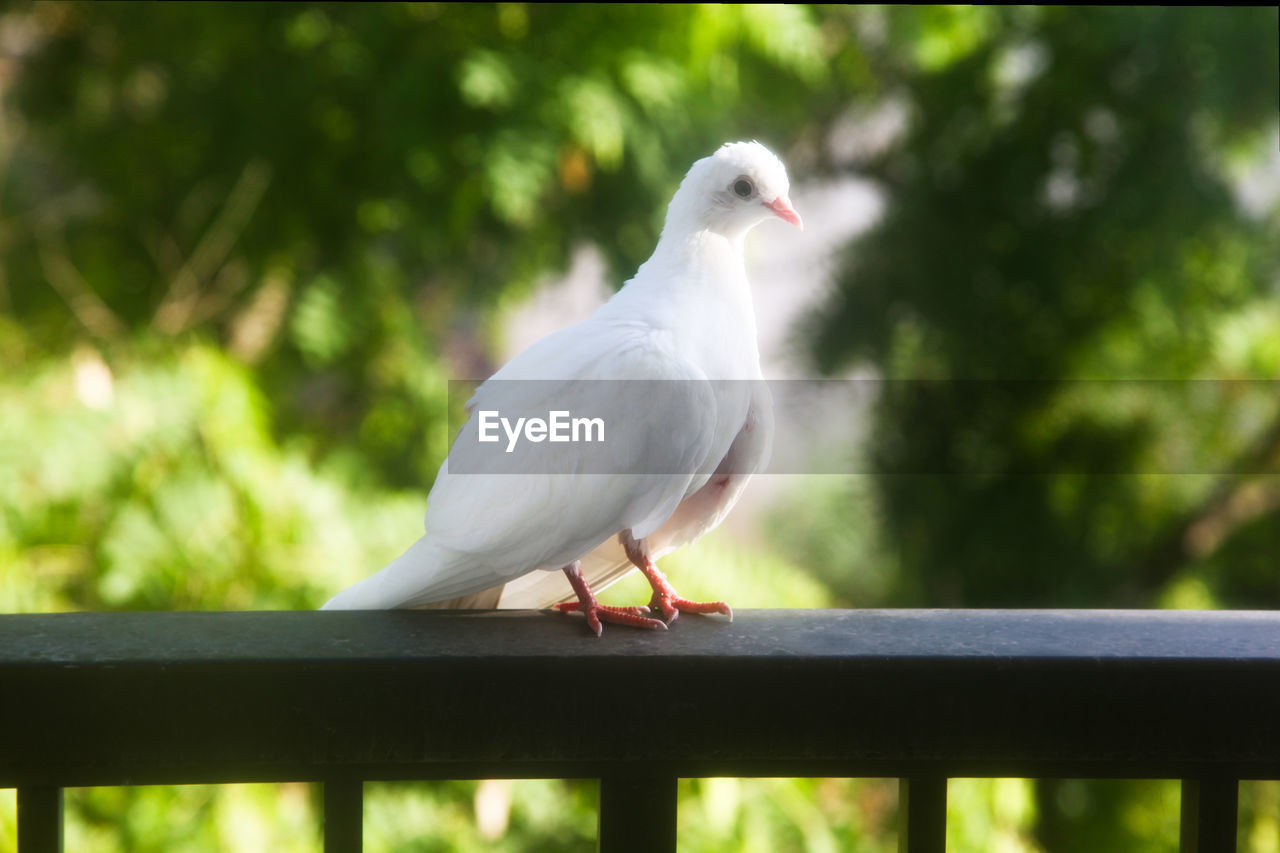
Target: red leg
<point x="597" y="612"/>
<point x="665" y="598"/>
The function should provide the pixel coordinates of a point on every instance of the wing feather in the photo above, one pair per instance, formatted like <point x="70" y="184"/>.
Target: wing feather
<point x="489" y="515"/>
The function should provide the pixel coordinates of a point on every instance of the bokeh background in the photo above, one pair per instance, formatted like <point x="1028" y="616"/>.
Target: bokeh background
<point x="243" y="248"/>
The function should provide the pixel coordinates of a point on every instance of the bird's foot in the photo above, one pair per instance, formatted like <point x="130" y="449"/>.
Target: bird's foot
<point x="598" y="613"/>
<point x="665" y="599"/>
<point x="671" y="605"/>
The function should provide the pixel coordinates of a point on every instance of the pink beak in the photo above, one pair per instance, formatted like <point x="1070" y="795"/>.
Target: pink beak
<point x="782" y="207"/>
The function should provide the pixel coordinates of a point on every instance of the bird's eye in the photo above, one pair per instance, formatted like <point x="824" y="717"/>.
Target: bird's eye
<point x="743" y="188"/>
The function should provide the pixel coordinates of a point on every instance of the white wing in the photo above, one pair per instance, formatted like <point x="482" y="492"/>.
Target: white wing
<point x="504" y="516"/>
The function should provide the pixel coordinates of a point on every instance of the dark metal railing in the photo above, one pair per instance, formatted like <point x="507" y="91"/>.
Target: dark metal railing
<point x="340" y="698"/>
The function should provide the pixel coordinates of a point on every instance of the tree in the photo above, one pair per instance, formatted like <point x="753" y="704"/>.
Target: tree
<point x="1076" y="315"/>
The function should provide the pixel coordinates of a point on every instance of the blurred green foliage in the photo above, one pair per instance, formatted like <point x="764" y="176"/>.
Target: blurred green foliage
<point x="337" y="193"/>
<point x="1062" y="210"/>
<point x="243" y="248"/>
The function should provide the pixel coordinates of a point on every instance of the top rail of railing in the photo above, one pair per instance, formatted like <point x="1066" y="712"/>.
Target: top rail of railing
<point x="136" y="698"/>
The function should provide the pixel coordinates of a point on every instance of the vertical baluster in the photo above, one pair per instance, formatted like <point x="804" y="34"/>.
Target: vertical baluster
<point x="922" y="814"/>
<point x="343" y="816"/>
<point x="40" y="820"/>
<point x="638" y="813"/>
<point x="1209" y="812"/>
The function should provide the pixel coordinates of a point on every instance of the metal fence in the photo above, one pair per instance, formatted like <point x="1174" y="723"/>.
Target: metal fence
<point x="341" y="698"/>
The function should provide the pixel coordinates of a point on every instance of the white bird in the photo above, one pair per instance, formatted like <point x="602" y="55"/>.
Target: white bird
<point x="687" y="319"/>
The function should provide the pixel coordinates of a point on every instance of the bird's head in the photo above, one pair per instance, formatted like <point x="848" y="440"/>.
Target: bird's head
<point x="736" y="188"/>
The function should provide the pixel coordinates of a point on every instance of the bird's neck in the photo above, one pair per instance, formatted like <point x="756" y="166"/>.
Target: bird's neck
<point x="701" y="254"/>
<point x="697" y="280"/>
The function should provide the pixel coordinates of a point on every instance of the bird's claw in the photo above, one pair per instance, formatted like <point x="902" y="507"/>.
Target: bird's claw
<point x="574" y="607"/>
<point x="597" y="614"/>
<point x="672" y="605"/>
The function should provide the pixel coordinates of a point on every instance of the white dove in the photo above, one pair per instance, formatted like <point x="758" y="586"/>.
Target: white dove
<point x="686" y="316"/>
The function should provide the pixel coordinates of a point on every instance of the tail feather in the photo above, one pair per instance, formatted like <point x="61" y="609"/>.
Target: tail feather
<point x="423" y="574"/>
<point x="606" y="564"/>
<point x="428" y="577"/>
<point x="486" y="599"/>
